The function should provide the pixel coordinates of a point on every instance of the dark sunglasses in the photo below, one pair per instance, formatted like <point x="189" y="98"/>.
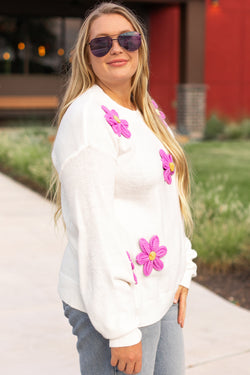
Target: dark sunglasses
<point x="131" y="41"/>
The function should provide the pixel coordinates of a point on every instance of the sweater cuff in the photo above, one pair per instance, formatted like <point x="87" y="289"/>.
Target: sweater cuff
<point x="131" y="338"/>
<point x="187" y="278"/>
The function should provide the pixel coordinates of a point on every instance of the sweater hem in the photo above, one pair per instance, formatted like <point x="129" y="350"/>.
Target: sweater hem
<point x="69" y="292"/>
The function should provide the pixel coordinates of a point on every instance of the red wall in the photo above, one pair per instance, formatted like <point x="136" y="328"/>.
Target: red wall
<point x="227" y="58"/>
<point x="164" y="58"/>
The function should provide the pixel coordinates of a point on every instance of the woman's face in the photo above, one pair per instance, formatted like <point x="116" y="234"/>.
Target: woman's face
<point x="119" y="65"/>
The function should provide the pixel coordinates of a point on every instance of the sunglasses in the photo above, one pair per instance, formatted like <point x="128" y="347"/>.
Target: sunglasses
<point x="131" y="41"/>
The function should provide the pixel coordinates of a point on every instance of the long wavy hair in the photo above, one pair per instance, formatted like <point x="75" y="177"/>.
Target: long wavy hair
<point x="81" y="77"/>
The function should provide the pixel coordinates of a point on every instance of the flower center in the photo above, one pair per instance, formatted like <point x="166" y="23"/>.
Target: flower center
<point x="171" y="166"/>
<point x="152" y="255"/>
<point x="157" y="111"/>
<point x="117" y="119"/>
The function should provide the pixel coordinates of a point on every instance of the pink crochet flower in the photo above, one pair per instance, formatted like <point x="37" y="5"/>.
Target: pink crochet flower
<point x="133" y="267"/>
<point x="120" y="127"/>
<point x="160" y="113"/>
<point x="150" y="255"/>
<point x="168" y="166"/>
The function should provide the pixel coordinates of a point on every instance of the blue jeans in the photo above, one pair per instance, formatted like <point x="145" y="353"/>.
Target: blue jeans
<point x="162" y="345"/>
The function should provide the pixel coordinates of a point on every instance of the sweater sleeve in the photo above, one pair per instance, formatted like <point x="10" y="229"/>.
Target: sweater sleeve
<point x="191" y="267"/>
<point x="106" y="277"/>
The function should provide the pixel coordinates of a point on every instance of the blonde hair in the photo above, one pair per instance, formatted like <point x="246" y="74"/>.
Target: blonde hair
<point x="82" y="77"/>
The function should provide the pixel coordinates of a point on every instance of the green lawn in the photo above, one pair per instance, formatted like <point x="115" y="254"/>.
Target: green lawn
<point x="220" y="198"/>
<point x="220" y="189"/>
<point x="25" y="153"/>
<point x="228" y="160"/>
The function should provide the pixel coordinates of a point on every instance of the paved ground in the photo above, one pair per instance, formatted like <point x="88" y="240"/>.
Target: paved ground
<point x="35" y="337"/>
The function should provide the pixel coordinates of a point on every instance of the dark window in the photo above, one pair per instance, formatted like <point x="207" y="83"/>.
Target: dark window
<point x="36" y="45"/>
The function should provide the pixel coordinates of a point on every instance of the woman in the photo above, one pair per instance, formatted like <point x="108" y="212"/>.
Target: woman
<point x="123" y="192"/>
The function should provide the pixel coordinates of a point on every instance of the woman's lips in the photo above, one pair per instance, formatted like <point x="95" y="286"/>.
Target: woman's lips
<point x="119" y="62"/>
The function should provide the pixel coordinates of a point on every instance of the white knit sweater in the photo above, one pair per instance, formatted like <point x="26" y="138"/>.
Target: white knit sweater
<point x="115" y="199"/>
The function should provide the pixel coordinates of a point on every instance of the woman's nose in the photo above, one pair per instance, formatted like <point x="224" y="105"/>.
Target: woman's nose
<point x="116" y="48"/>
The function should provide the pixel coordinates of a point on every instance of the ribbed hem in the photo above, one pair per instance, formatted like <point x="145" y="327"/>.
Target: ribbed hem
<point x="150" y="312"/>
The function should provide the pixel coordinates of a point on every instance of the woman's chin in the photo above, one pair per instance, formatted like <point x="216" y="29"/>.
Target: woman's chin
<point x="120" y="76"/>
<point x="117" y="79"/>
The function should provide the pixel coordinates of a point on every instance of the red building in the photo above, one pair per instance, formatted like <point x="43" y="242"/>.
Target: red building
<point x="226" y="57"/>
<point x="199" y="54"/>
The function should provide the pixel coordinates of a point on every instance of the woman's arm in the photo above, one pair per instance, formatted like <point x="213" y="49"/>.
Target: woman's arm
<point x="106" y="277"/>
<point x="191" y="267"/>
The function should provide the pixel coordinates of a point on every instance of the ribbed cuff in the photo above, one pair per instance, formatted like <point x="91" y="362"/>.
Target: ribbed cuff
<point x="131" y="338"/>
<point x="187" y="278"/>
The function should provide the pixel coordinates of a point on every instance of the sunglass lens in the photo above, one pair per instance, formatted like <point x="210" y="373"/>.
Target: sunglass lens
<point x="100" y="46"/>
<point x="131" y="41"/>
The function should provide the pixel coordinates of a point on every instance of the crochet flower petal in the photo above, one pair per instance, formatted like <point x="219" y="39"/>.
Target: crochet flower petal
<point x="158" y="264"/>
<point x="110" y="120"/>
<point x="120" y="127"/>
<point x="144" y="245"/>
<point x="161" y="252"/>
<point x="124" y="123"/>
<point x="124" y="129"/>
<point x="164" y="158"/>
<point x="147" y="268"/>
<point x="141" y="258"/>
<point x="162" y="115"/>
<point x="150" y="255"/>
<point x="170" y="158"/>
<point x="162" y="154"/>
<point x="154" y="103"/>
<point x="135" y="278"/>
<point x="154" y="243"/>
<point x="167" y="165"/>
<point x="114" y="113"/>
<point x="117" y="129"/>
<point x="129" y="257"/>
<point x="105" y="109"/>
<point x="167" y="176"/>
<point x="132" y="266"/>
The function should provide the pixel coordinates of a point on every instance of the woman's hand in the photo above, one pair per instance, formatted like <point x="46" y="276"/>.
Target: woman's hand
<point x="181" y="297"/>
<point x="128" y="359"/>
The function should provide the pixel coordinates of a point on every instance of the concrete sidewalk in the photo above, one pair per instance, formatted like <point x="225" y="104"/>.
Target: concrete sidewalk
<point x="35" y="337"/>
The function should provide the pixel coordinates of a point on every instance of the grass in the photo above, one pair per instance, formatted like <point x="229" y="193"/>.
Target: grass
<point x="25" y="154"/>
<point x="220" y="198"/>
<point x="220" y="189"/>
<point x="228" y="159"/>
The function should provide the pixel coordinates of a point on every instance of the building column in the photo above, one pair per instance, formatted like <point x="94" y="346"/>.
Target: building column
<point x="191" y="91"/>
